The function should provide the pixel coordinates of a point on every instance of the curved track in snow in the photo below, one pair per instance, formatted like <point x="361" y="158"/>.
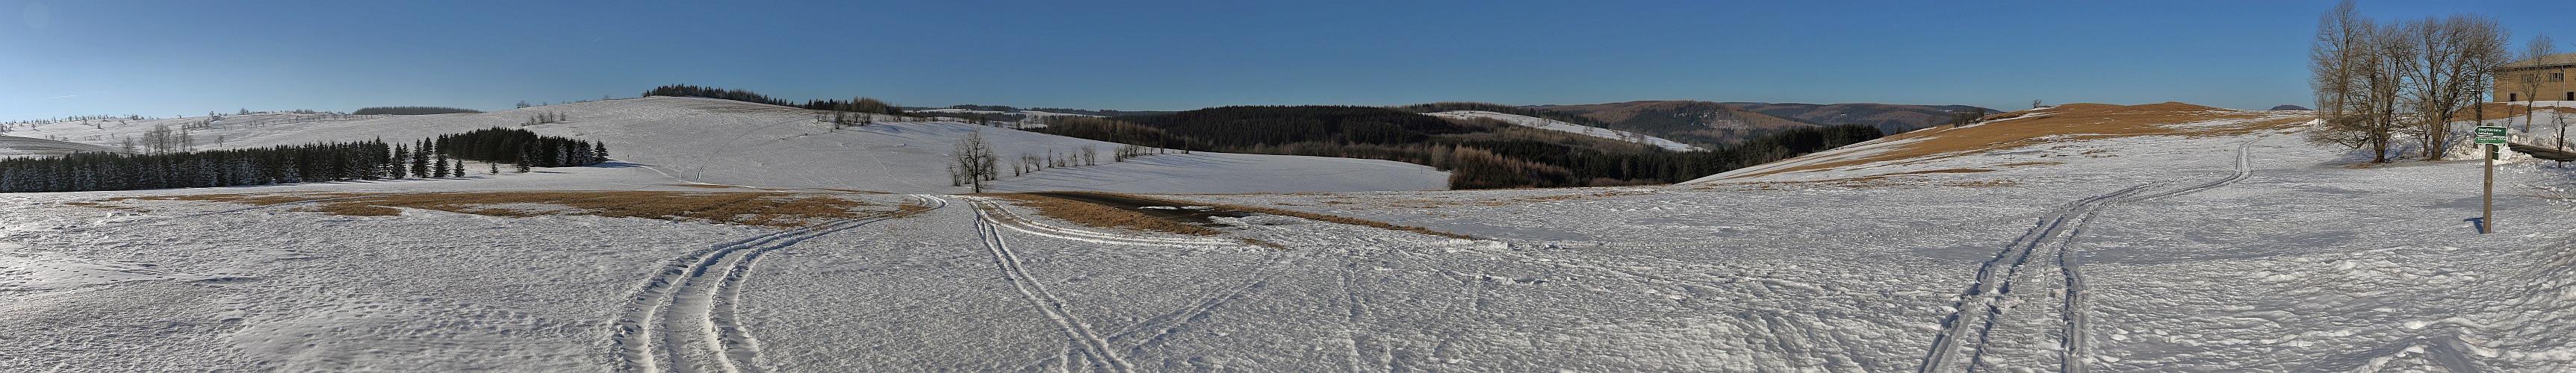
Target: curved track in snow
<point x="1099" y="349"/>
<point x="683" y="319"/>
<point x="1093" y="348"/>
<point x="1985" y="313"/>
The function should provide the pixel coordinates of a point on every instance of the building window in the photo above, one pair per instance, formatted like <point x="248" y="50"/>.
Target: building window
<point x="2555" y="77"/>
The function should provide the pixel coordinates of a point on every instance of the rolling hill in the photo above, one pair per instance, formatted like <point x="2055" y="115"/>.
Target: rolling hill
<point x="1889" y="118"/>
<point x="1702" y="123"/>
<point x="24" y="146"/>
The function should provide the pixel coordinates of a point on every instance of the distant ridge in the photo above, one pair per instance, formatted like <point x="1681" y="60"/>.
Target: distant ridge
<point x="1889" y="118"/>
<point x="1702" y="123"/>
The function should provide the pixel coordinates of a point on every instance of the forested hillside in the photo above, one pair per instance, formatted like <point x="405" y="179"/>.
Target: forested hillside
<point x="1479" y="154"/>
<point x="1707" y="124"/>
<point x="1889" y="118"/>
<point x="287" y="164"/>
<point x="1506" y="109"/>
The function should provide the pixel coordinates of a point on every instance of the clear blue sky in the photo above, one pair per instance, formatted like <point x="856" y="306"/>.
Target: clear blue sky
<point x="76" y="57"/>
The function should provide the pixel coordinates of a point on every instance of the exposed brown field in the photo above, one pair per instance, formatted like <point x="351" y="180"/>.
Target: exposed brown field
<point x="1309" y="216"/>
<point x="773" y="209"/>
<point x="1097" y="216"/>
<point x="2070" y="122"/>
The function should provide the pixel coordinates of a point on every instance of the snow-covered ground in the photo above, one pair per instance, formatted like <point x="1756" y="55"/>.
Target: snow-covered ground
<point x="11" y="146"/>
<point x="1557" y="125"/>
<point x="2221" y="242"/>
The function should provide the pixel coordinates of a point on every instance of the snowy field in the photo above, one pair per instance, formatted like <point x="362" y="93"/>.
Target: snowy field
<point x="2169" y="239"/>
<point x="12" y="146"/>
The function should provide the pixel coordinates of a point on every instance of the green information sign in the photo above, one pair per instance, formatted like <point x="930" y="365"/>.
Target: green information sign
<point x="2490" y="131"/>
<point x="2491" y="140"/>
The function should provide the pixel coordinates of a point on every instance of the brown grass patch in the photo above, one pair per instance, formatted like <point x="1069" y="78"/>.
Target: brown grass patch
<point x="773" y="209"/>
<point x="2070" y="122"/>
<point x="1309" y="216"/>
<point x="1097" y="216"/>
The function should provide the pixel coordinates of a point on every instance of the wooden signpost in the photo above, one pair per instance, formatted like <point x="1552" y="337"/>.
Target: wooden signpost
<point x="2492" y="137"/>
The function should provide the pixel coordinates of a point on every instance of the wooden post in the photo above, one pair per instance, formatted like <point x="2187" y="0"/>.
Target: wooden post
<point x="2486" y="199"/>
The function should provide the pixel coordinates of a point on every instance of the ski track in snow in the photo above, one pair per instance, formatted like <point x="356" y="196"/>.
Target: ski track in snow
<point x="1091" y="345"/>
<point x="684" y="319"/>
<point x="1093" y="348"/>
<point x="1984" y="305"/>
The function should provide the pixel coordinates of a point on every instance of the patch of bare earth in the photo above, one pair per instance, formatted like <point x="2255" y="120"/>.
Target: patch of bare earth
<point x="773" y="209"/>
<point x="2064" y="123"/>
<point x="1304" y="215"/>
<point x="1098" y="216"/>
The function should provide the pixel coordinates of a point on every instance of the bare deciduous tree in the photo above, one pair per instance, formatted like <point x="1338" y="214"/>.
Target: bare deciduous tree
<point x="2451" y="61"/>
<point x="972" y="162"/>
<point x="2360" y="70"/>
<point x="160" y="139"/>
<point x="2540" y="46"/>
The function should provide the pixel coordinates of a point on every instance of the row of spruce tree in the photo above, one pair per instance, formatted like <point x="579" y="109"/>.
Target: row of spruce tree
<point x="443" y="156"/>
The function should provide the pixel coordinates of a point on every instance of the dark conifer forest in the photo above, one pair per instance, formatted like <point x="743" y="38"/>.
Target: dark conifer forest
<point x="320" y="162"/>
<point x="518" y="146"/>
<point x="856" y="105"/>
<point x="1480" y="154"/>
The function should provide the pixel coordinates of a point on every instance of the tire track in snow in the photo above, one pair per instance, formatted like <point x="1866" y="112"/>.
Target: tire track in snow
<point x="1976" y="313"/>
<point x="1984" y="303"/>
<point x="684" y="318"/>
<point x="1151" y="329"/>
<point x="1088" y="342"/>
<point x="1202" y="309"/>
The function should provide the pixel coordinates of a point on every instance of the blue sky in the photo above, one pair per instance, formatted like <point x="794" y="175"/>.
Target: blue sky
<point x="75" y="57"/>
